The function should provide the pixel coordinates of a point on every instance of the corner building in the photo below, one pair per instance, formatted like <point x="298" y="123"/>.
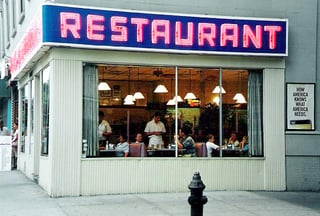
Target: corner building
<point x="63" y="52"/>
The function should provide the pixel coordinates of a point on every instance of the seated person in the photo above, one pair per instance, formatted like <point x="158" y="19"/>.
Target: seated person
<point x="139" y="138"/>
<point x="233" y="140"/>
<point x="244" y="143"/>
<point x="186" y="141"/>
<point x="122" y="147"/>
<point x="211" y="145"/>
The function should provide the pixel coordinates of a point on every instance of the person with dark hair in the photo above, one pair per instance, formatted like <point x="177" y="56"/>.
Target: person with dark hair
<point x="4" y="131"/>
<point x="185" y="141"/>
<point x="233" y="140"/>
<point x="14" y="143"/>
<point x="139" y="138"/>
<point x="104" y="130"/>
<point x="154" y="130"/>
<point x="122" y="147"/>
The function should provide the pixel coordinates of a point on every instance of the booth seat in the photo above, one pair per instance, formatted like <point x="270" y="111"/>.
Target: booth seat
<point x="137" y="150"/>
<point x="201" y="149"/>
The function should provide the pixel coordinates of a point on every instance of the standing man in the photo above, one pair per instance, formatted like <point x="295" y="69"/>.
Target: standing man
<point x="104" y="130"/>
<point x="154" y="130"/>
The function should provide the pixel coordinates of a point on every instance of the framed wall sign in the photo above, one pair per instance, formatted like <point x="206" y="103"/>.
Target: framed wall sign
<point x="300" y="106"/>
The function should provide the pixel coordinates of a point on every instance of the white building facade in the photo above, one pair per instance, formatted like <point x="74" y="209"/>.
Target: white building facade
<point x="53" y="47"/>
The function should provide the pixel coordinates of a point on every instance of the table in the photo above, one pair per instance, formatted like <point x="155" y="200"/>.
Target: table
<point x="237" y="152"/>
<point x="161" y="152"/>
<point x="111" y="153"/>
<point x="164" y="152"/>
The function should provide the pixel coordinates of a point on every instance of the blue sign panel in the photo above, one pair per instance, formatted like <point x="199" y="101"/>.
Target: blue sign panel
<point x="174" y="33"/>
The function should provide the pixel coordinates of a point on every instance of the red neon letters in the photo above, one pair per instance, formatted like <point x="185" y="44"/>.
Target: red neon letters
<point x="93" y="28"/>
<point x="66" y="26"/>
<point x="161" y="33"/>
<point x="140" y="22"/>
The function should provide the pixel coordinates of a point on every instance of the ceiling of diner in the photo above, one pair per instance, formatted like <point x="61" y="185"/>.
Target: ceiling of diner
<point x="146" y="73"/>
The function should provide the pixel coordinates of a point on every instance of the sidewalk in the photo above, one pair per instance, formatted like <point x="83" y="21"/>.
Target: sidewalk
<point x="20" y="196"/>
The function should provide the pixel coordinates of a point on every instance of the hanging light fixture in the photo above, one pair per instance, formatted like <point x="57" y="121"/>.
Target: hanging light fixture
<point x="103" y="86"/>
<point x="160" y="88"/>
<point x="216" y="90"/>
<point x="138" y="95"/>
<point x="241" y="100"/>
<point x="177" y="98"/>
<point x="190" y="95"/>
<point x="129" y="99"/>
<point x="239" y="96"/>
<point x="171" y="102"/>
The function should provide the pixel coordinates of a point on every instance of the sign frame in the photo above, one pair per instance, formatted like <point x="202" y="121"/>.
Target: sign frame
<point x="57" y="33"/>
<point x="300" y="106"/>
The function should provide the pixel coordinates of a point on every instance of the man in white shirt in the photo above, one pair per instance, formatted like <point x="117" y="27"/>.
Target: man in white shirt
<point x="154" y="130"/>
<point x="104" y="129"/>
<point x="211" y="146"/>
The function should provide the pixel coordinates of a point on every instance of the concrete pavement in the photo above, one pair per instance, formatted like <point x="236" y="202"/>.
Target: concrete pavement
<point x="20" y="196"/>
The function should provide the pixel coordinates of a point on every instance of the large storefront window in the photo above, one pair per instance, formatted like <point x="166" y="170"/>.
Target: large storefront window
<point x="45" y="112"/>
<point x="123" y="103"/>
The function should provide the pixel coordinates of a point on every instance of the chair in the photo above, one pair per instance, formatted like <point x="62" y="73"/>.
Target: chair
<point x="136" y="150"/>
<point x="201" y="149"/>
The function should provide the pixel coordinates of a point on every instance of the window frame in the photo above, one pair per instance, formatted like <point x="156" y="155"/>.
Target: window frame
<point x="221" y="120"/>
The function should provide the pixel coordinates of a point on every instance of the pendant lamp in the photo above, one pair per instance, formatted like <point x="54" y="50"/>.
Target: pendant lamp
<point x="129" y="99"/>
<point x="138" y="95"/>
<point x="160" y="88"/>
<point x="177" y="98"/>
<point x="171" y="102"/>
<point x="216" y="90"/>
<point x="239" y="96"/>
<point x="190" y="95"/>
<point x="103" y="86"/>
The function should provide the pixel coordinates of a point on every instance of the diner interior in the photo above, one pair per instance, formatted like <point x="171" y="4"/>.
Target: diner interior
<point x="129" y="96"/>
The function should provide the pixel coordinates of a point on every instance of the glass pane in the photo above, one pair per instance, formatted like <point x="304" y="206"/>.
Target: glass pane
<point x="128" y="101"/>
<point x="124" y="116"/>
<point x="25" y="93"/>
<point x="45" y="111"/>
<point x="32" y="105"/>
<point x="235" y="123"/>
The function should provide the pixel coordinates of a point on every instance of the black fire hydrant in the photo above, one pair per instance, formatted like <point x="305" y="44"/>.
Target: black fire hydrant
<point x="196" y="200"/>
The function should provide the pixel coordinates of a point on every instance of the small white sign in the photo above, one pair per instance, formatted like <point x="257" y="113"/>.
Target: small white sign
<point x="5" y="153"/>
<point x="300" y="106"/>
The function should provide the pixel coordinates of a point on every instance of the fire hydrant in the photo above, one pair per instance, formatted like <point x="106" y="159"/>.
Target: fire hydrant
<point x="196" y="200"/>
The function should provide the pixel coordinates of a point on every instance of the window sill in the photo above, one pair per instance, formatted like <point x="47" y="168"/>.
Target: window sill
<point x="302" y="132"/>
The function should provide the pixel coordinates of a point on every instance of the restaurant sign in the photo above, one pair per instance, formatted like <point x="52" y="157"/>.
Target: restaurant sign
<point x="99" y="28"/>
<point x="161" y="32"/>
